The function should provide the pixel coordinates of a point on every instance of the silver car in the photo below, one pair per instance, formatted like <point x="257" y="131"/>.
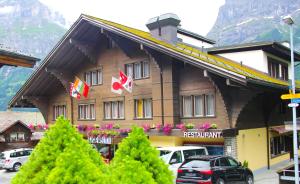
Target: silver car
<point x="14" y="159"/>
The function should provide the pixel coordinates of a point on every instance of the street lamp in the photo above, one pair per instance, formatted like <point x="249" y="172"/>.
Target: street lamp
<point x="289" y="21"/>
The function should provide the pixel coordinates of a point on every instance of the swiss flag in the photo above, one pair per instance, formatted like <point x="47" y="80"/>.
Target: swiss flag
<point x="116" y="86"/>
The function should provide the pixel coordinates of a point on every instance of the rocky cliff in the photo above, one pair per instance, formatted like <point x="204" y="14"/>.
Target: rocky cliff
<point x="30" y="27"/>
<point x="242" y="21"/>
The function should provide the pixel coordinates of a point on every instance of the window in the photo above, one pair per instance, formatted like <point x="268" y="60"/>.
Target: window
<point x="210" y="105"/>
<point x="274" y="69"/>
<point x="114" y="110"/>
<point x="187" y="106"/>
<point x="198" y="105"/>
<point x="93" y="78"/>
<point x="193" y="152"/>
<point x="280" y="145"/>
<point x="86" y="112"/>
<point x="16" y="136"/>
<point x="138" y="70"/>
<point x="59" y="110"/>
<point x="277" y="69"/>
<point x="143" y="108"/>
<point x="221" y="162"/>
<point x="284" y="72"/>
<point x="232" y="162"/>
<point x="176" y="158"/>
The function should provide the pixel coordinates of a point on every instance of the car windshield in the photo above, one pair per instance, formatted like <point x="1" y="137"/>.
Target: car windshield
<point x="164" y="152"/>
<point x="194" y="152"/>
<point x="196" y="164"/>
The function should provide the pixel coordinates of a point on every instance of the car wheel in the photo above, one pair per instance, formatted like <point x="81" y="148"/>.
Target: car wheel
<point x="17" y="166"/>
<point x="249" y="179"/>
<point x="220" y="181"/>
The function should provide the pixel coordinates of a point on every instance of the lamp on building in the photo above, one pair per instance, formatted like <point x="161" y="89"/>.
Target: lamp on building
<point x="289" y="21"/>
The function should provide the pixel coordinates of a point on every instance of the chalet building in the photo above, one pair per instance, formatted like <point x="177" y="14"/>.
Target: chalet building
<point x="14" y="135"/>
<point x="175" y="81"/>
<point x="16" y="131"/>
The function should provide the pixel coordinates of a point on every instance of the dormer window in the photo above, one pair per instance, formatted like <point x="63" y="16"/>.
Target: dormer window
<point x="277" y="69"/>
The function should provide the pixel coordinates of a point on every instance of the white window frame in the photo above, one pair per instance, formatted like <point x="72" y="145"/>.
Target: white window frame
<point x="120" y="111"/>
<point x="144" y="109"/>
<point x="85" y="113"/>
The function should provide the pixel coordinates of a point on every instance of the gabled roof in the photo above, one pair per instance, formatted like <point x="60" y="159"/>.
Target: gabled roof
<point x="14" y="58"/>
<point x="6" y="125"/>
<point x="41" y="80"/>
<point x="211" y="61"/>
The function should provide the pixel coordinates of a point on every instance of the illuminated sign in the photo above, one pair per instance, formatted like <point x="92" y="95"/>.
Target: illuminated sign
<point x="203" y="134"/>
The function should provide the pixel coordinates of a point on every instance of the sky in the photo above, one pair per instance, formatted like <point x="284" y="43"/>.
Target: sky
<point x="196" y="15"/>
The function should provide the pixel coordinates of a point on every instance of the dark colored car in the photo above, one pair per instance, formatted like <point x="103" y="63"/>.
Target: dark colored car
<point x="213" y="170"/>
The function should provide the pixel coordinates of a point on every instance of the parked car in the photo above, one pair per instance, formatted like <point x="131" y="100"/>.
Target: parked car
<point x="213" y="170"/>
<point x="14" y="159"/>
<point x="175" y="156"/>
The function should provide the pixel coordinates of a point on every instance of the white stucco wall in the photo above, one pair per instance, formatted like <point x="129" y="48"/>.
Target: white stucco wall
<point x="193" y="41"/>
<point x="255" y="59"/>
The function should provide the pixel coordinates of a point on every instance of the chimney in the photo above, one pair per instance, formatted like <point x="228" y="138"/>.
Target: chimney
<point x="164" y="27"/>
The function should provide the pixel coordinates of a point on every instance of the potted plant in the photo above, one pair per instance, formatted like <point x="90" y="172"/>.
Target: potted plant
<point x="205" y="126"/>
<point x="116" y="126"/>
<point x="189" y="125"/>
<point x="158" y="127"/>
<point x="181" y="126"/>
<point x="167" y="129"/>
<point x="146" y="127"/>
<point x="214" y="126"/>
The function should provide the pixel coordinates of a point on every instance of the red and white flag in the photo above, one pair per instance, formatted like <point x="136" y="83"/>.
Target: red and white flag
<point x="73" y="92"/>
<point x="126" y="82"/>
<point x="116" y="86"/>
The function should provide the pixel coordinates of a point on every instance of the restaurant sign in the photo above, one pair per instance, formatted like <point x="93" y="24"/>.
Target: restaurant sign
<point x="203" y="134"/>
<point x="100" y="140"/>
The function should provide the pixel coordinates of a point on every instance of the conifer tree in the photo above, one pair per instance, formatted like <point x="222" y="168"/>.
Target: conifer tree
<point x="136" y="149"/>
<point x="57" y="143"/>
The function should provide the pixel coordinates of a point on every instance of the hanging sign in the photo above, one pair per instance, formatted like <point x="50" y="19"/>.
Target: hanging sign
<point x="100" y="140"/>
<point x="203" y="134"/>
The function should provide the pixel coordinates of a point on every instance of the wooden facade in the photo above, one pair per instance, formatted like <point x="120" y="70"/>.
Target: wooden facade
<point x="15" y="135"/>
<point x="178" y="80"/>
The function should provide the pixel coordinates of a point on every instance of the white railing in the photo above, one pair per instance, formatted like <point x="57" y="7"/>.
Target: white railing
<point x="288" y="175"/>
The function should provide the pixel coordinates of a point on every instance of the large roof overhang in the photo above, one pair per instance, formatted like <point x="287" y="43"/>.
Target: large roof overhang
<point x="65" y="56"/>
<point x="11" y="58"/>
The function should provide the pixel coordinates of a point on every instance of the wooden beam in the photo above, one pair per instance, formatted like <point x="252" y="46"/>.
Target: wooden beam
<point x="128" y="47"/>
<point x="15" y="62"/>
<point x="86" y="48"/>
<point x="63" y="76"/>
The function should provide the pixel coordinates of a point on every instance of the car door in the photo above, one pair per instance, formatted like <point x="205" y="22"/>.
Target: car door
<point x="233" y="170"/>
<point x="175" y="161"/>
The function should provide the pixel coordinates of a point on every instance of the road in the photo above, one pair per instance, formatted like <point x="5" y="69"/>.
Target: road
<point x="5" y="176"/>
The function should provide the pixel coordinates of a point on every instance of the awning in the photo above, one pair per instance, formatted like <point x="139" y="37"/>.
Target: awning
<point x="282" y="129"/>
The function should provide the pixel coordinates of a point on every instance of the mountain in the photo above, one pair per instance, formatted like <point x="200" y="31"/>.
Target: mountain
<point x="30" y="27"/>
<point x="245" y="21"/>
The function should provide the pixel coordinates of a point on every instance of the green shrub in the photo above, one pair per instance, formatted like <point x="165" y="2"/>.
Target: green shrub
<point x="136" y="149"/>
<point x="74" y="166"/>
<point x="48" y="154"/>
<point x="130" y="172"/>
